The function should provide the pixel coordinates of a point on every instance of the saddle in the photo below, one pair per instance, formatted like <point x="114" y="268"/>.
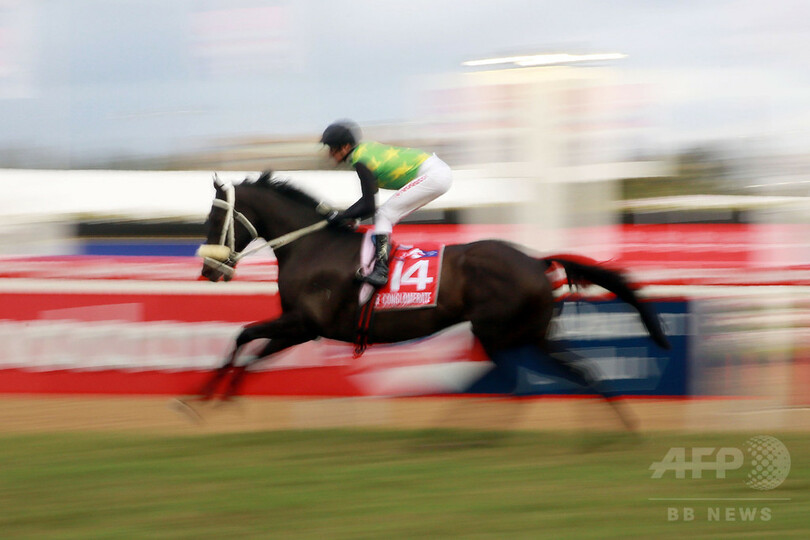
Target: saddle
<point x="413" y="283"/>
<point x="414" y="274"/>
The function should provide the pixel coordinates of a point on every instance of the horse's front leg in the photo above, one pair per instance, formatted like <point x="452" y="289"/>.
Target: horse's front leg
<point x="273" y="346"/>
<point x="288" y="330"/>
<point x="249" y="333"/>
<point x="208" y="389"/>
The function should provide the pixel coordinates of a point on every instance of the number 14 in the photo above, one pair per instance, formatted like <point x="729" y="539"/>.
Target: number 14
<point x="421" y="280"/>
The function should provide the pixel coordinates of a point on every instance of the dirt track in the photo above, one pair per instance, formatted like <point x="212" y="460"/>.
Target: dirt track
<point x="155" y="415"/>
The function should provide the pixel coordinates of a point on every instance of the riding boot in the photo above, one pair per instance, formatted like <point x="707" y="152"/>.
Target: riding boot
<point x="379" y="275"/>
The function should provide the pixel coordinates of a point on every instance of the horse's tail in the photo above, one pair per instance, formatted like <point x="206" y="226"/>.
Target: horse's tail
<point x="581" y="269"/>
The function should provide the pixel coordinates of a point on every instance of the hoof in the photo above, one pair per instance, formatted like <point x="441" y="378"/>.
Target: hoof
<point x="182" y="407"/>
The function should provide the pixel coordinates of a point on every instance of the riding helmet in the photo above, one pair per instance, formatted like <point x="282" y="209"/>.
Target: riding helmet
<point x="340" y="133"/>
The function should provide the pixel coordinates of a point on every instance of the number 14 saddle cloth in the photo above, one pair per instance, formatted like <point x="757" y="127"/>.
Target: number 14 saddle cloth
<point x="413" y="276"/>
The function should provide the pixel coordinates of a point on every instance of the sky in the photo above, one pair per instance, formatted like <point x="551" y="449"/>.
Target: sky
<point x="89" y="78"/>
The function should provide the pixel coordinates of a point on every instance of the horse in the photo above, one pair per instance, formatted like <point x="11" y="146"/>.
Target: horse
<point x="503" y="292"/>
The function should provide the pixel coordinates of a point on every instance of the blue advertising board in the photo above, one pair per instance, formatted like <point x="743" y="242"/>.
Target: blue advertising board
<point x="139" y="248"/>
<point x="610" y="340"/>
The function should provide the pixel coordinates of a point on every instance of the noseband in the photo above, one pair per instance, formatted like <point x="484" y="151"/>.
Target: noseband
<point x="223" y="256"/>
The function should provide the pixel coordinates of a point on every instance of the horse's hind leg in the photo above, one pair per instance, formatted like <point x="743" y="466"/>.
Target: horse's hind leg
<point x="574" y="369"/>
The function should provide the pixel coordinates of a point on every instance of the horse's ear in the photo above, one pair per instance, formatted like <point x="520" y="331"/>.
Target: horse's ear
<point x="265" y="177"/>
<point x="217" y="183"/>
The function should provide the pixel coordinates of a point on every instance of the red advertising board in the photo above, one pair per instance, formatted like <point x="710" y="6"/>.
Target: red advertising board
<point x="147" y="326"/>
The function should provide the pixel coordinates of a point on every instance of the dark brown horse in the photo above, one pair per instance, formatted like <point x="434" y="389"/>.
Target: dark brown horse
<point x="503" y="292"/>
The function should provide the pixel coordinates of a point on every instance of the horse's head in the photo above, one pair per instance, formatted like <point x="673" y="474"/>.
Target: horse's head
<point x="225" y="240"/>
<point x="282" y="212"/>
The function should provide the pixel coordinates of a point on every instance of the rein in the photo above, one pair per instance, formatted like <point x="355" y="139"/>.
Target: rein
<point x="223" y="256"/>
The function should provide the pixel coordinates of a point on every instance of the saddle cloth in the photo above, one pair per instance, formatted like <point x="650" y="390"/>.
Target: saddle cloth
<point x="413" y="275"/>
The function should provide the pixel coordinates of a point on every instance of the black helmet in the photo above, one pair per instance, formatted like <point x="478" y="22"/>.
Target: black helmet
<point x="341" y="133"/>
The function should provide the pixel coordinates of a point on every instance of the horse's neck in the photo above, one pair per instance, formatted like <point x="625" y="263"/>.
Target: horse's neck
<point x="311" y="249"/>
<point x="280" y="226"/>
<point x="279" y="217"/>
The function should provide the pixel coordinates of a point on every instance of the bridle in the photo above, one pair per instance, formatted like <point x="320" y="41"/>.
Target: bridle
<point x="223" y="256"/>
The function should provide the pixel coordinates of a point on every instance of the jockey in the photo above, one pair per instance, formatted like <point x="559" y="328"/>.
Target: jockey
<point x="417" y="176"/>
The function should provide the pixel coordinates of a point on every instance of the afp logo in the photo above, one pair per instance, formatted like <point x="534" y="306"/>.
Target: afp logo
<point x="768" y="462"/>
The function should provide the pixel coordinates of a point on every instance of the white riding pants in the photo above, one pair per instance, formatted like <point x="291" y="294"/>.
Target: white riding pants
<point x="433" y="179"/>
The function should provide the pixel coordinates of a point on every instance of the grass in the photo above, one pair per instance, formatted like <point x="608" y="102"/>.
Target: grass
<point x="377" y="484"/>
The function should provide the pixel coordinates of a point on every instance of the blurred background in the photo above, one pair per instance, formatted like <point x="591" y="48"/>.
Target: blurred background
<point x="585" y="108"/>
<point x="670" y="138"/>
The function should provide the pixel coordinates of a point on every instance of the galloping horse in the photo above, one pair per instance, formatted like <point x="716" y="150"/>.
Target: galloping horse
<point x="503" y="292"/>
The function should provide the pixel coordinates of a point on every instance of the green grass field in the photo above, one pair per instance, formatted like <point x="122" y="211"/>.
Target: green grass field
<point x="379" y="484"/>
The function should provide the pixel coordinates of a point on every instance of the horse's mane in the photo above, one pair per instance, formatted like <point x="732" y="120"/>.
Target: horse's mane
<point x="283" y="187"/>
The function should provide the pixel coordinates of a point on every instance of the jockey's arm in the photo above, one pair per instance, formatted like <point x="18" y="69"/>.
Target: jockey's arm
<point x="365" y="205"/>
